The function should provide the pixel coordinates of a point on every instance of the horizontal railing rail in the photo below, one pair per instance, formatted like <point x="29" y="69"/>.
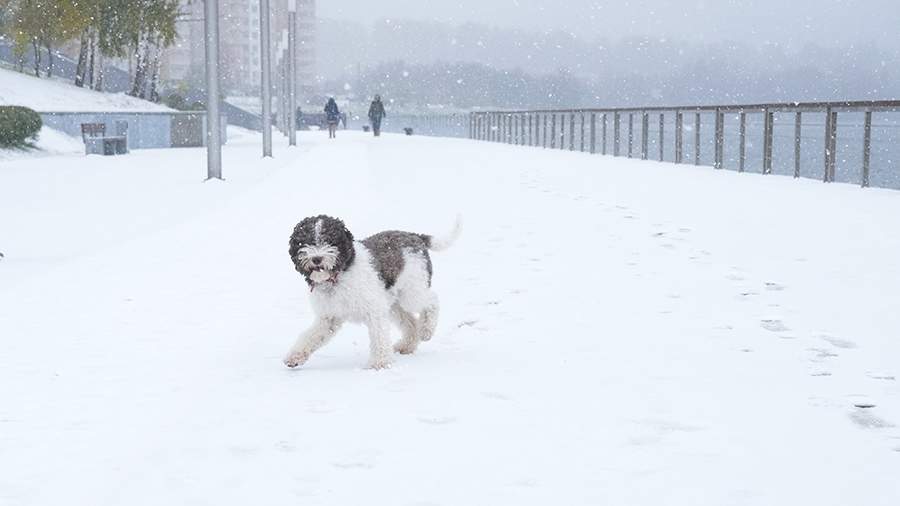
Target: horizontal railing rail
<point x="749" y="127"/>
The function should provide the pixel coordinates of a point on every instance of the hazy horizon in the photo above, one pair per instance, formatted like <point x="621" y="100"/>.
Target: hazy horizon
<point x="827" y="23"/>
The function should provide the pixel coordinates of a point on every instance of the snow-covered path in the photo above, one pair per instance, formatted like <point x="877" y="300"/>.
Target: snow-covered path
<point x="612" y="332"/>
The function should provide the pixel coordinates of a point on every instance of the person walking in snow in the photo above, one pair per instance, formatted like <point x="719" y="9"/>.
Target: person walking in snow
<point x="376" y="114"/>
<point x="332" y="116"/>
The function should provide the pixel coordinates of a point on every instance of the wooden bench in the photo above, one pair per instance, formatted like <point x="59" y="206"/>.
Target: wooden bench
<point x="96" y="141"/>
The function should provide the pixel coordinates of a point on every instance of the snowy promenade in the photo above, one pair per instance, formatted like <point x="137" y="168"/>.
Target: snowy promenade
<point x="613" y="332"/>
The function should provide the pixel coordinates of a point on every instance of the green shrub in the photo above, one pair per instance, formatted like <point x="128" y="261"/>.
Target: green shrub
<point x="18" y="126"/>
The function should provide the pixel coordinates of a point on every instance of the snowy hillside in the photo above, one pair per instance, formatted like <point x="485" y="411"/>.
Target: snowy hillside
<point x="612" y="332"/>
<point x="51" y="95"/>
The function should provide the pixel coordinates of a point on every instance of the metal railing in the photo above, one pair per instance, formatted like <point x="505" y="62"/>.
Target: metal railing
<point x="848" y="147"/>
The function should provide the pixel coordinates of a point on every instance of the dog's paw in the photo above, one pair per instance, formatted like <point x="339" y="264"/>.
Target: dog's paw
<point x="377" y="365"/>
<point x="405" y="348"/>
<point x="295" y="359"/>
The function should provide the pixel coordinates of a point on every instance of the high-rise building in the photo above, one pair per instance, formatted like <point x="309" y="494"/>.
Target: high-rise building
<point x="239" y="44"/>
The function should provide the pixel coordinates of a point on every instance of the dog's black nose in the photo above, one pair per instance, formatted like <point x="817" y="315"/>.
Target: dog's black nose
<point x="316" y="260"/>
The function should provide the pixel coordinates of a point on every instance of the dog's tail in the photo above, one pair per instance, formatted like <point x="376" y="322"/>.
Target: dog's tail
<point x="443" y="242"/>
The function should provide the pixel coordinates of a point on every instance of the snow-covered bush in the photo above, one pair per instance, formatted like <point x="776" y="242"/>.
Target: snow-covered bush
<point x="18" y="125"/>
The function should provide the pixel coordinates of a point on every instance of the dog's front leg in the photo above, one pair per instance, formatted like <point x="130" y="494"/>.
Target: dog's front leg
<point x="311" y="340"/>
<point x="379" y="343"/>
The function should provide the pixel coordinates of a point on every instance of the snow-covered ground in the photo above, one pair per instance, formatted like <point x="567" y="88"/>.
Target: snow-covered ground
<point x="612" y="332"/>
<point x="54" y="95"/>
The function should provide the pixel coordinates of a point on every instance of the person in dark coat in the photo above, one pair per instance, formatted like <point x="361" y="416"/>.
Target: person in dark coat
<point x="376" y="114"/>
<point x="332" y="116"/>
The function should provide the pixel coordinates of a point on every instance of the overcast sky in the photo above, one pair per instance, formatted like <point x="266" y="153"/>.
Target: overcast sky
<point x="828" y="22"/>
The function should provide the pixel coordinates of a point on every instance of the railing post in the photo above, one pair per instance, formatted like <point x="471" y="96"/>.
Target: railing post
<point x="743" y="142"/>
<point x="798" y="122"/>
<point x="572" y="131"/>
<point x="645" y="133"/>
<point x="544" y="132"/>
<point x="604" y="133"/>
<point x="630" y="134"/>
<point x="553" y="131"/>
<point x="697" y="139"/>
<point x="530" y="131"/>
<point x="593" y="133"/>
<point x="562" y="130"/>
<point x="582" y="131"/>
<point x="827" y="143"/>
<point x="867" y="148"/>
<point x="518" y="130"/>
<point x="832" y="161"/>
<point x="617" y="133"/>
<point x="720" y="140"/>
<point x="523" y="136"/>
<point x="679" y="137"/>
<point x="662" y="137"/>
<point x="768" y="131"/>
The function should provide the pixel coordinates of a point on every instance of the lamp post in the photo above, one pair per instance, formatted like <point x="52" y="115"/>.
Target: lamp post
<point x="292" y="72"/>
<point x="213" y="126"/>
<point x="284" y="90"/>
<point x="265" y="45"/>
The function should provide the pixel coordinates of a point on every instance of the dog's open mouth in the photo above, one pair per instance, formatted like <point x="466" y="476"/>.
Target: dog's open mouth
<point x="320" y="276"/>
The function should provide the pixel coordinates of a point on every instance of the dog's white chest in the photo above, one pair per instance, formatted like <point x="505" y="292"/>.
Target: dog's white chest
<point x="354" y="296"/>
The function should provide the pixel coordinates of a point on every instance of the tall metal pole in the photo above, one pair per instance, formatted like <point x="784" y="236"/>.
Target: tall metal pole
<point x="292" y="72"/>
<point x="265" y="48"/>
<point x="213" y="127"/>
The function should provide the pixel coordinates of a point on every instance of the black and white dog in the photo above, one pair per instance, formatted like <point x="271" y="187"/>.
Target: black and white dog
<point x="383" y="278"/>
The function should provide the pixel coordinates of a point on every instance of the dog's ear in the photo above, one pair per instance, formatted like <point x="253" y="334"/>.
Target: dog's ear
<point x="348" y="252"/>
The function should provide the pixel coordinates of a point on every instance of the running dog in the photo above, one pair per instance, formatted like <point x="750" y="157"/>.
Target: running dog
<point x="382" y="279"/>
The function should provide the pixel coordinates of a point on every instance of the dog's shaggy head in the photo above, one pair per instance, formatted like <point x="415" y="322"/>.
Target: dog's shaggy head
<point x="321" y="247"/>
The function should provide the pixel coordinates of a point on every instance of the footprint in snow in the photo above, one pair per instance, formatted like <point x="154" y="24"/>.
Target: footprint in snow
<point x="863" y="416"/>
<point x="820" y="354"/>
<point x="773" y="286"/>
<point x="882" y="377"/>
<point x="773" y="325"/>
<point x="497" y="396"/>
<point x="838" y="343"/>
